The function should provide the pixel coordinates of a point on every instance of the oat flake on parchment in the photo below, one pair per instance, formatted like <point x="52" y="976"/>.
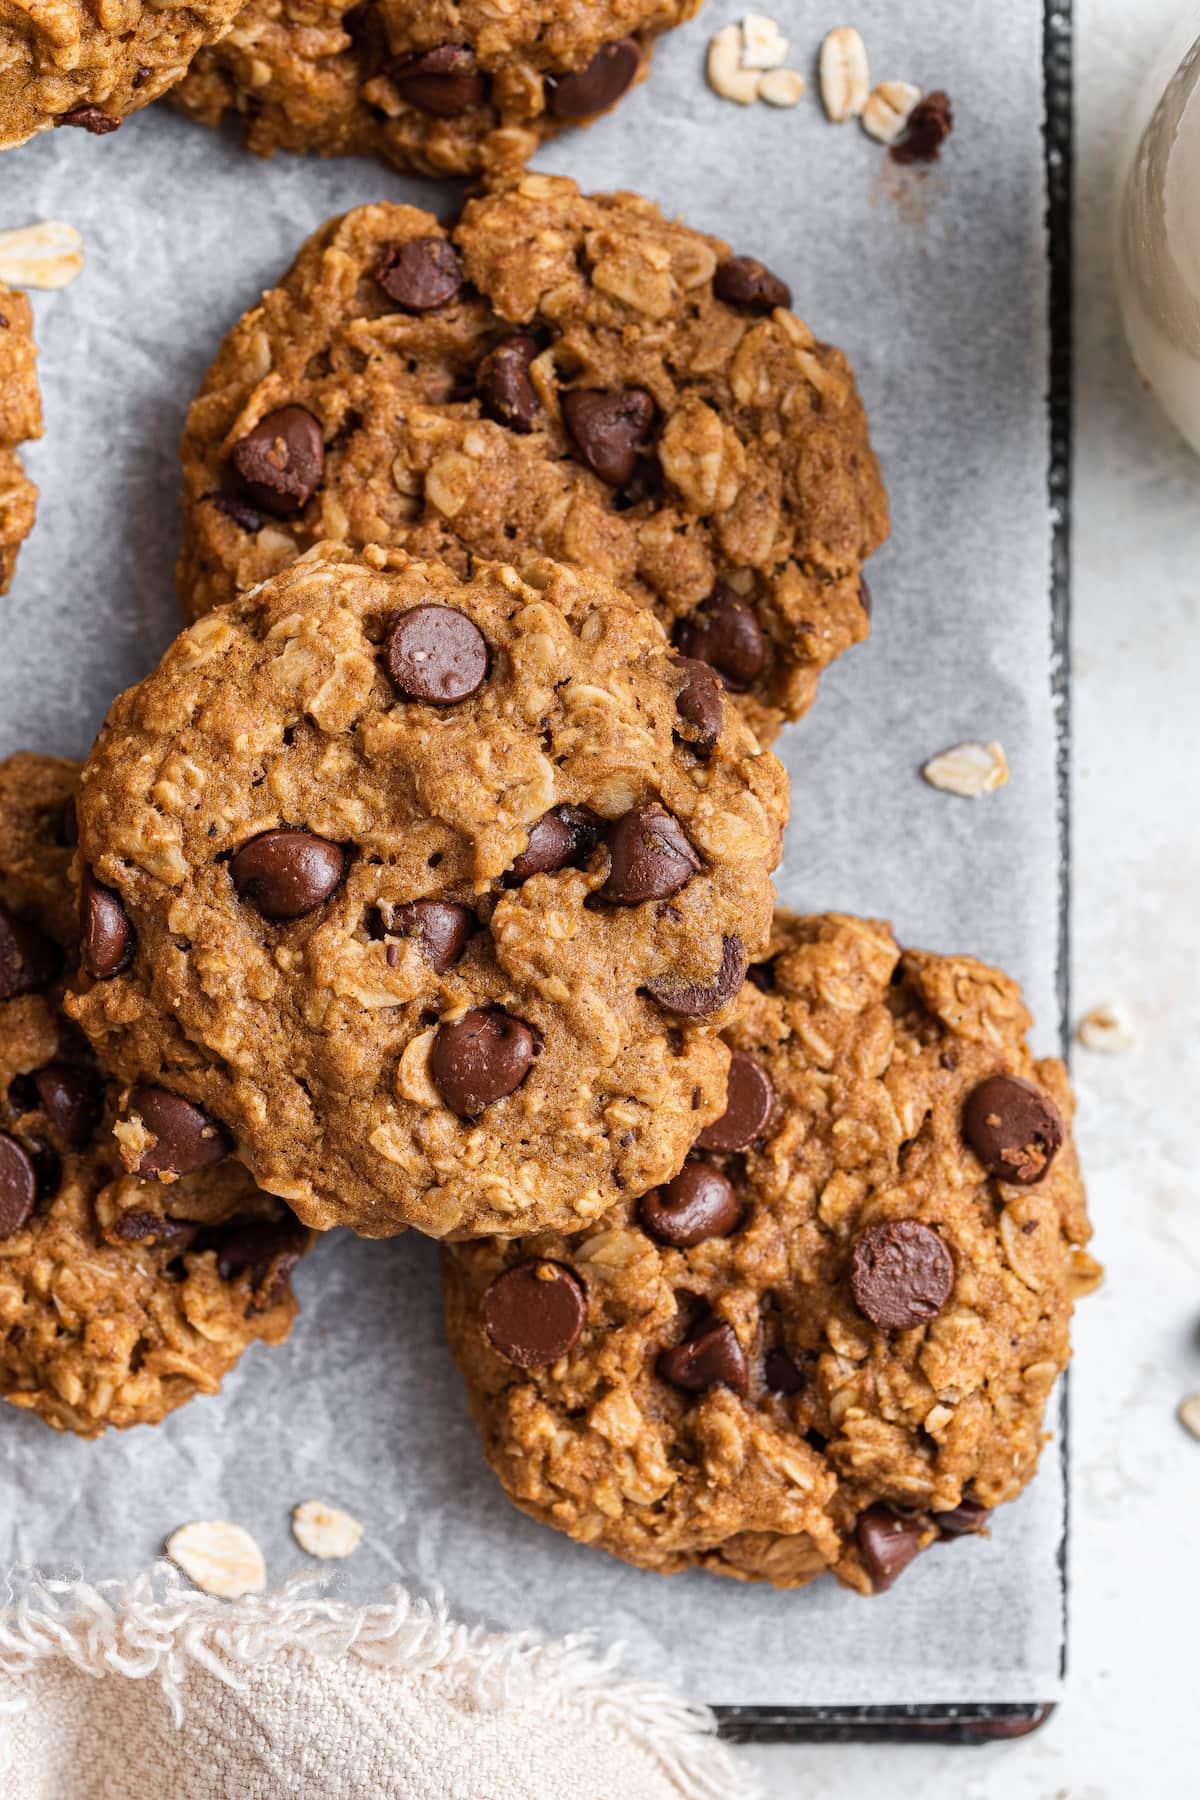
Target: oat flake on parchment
<point x="968" y="770"/>
<point x="325" y="1531"/>
<point x="219" y="1558"/>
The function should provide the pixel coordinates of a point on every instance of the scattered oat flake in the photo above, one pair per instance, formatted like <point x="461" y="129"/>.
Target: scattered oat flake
<point x="48" y="255"/>
<point x="1105" y="1028"/>
<point x="726" y="76"/>
<point x="845" y="76"/>
<point x="325" y="1531"/>
<point x="968" y="770"/>
<point x="220" y="1558"/>
<point x="1189" y="1414"/>
<point x="782" y="87"/>
<point x="887" y="110"/>
<point x="763" y="44"/>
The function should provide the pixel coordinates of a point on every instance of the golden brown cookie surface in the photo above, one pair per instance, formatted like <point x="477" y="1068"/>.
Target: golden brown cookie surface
<point x="831" y="1339"/>
<point x="558" y="374"/>
<point x="120" y="1299"/>
<point x="20" y="420"/>
<point x="440" y="891"/>
<point x="71" y="63"/>
<point x="461" y="87"/>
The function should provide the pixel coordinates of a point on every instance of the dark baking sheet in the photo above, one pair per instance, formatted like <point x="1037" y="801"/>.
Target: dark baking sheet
<point x="966" y="1724"/>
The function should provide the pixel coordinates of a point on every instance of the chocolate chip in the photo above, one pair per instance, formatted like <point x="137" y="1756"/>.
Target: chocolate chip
<point x="444" y="81"/>
<point x="89" y="118"/>
<point x="1014" y="1128"/>
<point x="696" y="1000"/>
<point x="105" y="935"/>
<point x="535" y="1312"/>
<point x="887" y="1544"/>
<point x="929" y="125"/>
<point x="864" y="595"/>
<point x="286" y="874"/>
<point x="18" y="1185"/>
<point x="711" y="1355"/>
<point x="699" y="705"/>
<point x="698" y="1204"/>
<point x="421" y="274"/>
<point x="68" y="824"/>
<point x="268" y="1250"/>
<point x="435" y="653"/>
<point x="744" y="281"/>
<point x="29" y="961"/>
<point x="650" y="857"/>
<point x="564" y="835"/>
<point x="480" y="1058"/>
<point x="749" y="1097"/>
<point x="141" y="76"/>
<point x="155" y="1228"/>
<point x="281" y="461"/>
<point x="725" y="634"/>
<point x="72" y="1099"/>
<point x="968" y="1517"/>
<point x="505" y="388"/>
<point x="242" y="515"/>
<point x="609" y="430"/>
<point x="441" y="927"/>
<point x="781" y="1373"/>
<point x="901" y="1274"/>
<point x="585" y="92"/>
<point x="186" y="1139"/>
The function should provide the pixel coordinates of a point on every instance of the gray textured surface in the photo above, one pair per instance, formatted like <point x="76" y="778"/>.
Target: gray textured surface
<point x="936" y="287"/>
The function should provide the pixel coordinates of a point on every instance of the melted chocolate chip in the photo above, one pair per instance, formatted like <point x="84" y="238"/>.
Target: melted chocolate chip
<point x="968" y="1517"/>
<point x="106" y="937"/>
<point x="421" y="274"/>
<point x="287" y="874"/>
<point x="243" y="516"/>
<point x="436" y="654"/>
<point x="72" y="1099"/>
<point x="711" y="1355"/>
<point x="480" y="1058"/>
<point x="698" y="1204"/>
<point x="266" y="1249"/>
<point x="441" y="927"/>
<point x="929" y="125"/>
<point x="610" y="431"/>
<point x="1014" y="1128"/>
<point x="887" y="1544"/>
<point x="185" y="1138"/>
<point x="18" y="1185"/>
<point x="743" y="281"/>
<point x="535" y="1312"/>
<point x="749" y="1098"/>
<point x="561" y="837"/>
<point x="781" y="1373"/>
<point x="585" y="92"/>
<point x="155" y="1228"/>
<point x="650" y="857"/>
<point x="901" y="1274"/>
<point x="699" y="705"/>
<point x="444" y="81"/>
<point x="505" y="388"/>
<point x="89" y="118"/>
<point x="725" y="634"/>
<point x="281" y="461"/>
<point x="696" y="1000"/>
<point x="29" y="960"/>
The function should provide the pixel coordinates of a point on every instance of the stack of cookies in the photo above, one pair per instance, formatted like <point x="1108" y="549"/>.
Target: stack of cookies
<point x="426" y="883"/>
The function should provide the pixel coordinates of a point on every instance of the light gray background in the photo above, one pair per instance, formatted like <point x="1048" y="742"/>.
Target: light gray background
<point x="936" y="286"/>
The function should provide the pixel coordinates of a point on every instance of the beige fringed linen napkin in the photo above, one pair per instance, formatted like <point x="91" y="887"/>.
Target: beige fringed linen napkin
<point x="151" y="1691"/>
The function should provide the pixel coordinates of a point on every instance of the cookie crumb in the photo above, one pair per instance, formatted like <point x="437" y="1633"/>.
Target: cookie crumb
<point x="219" y="1558"/>
<point x="1189" y="1414"/>
<point x="1107" y="1029"/>
<point x="325" y="1531"/>
<point x="845" y="75"/>
<point x="968" y="770"/>
<point x="888" y="110"/>
<point x="47" y="255"/>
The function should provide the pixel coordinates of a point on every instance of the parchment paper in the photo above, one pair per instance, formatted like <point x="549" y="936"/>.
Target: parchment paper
<point x="935" y="285"/>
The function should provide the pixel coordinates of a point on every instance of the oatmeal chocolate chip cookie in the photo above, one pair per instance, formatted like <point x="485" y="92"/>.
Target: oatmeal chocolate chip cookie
<point x="461" y="87"/>
<point x="829" y="1340"/>
<point x="20" y="419"/>
<point x="432" y="893"/>
<point x="555" y="374"/>
<point x="64" y="62"/>
<point x="119" y="1298"/>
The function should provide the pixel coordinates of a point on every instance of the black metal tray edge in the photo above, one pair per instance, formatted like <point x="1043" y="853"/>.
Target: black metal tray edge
<point x="986" y="1723"/>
